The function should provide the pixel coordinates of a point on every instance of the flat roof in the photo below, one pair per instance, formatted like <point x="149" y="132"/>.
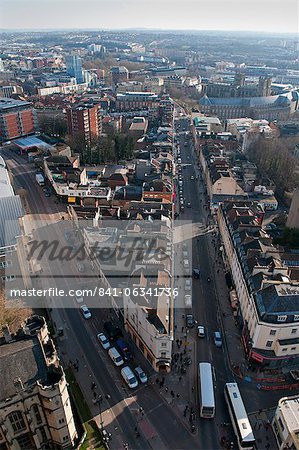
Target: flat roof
<point x="31" y="141"/>
<point x="7" y="103"/>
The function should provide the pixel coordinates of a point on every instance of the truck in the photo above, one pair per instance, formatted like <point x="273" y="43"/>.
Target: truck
<point x="40" y="179"/>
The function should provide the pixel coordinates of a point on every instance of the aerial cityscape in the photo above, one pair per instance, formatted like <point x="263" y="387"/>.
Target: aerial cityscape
<point x="149" y="225"/>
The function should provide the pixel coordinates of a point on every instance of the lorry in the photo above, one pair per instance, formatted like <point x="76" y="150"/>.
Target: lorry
<point x="40" y="179"/>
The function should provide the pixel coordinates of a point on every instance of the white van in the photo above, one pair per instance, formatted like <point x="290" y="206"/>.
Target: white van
<point x="129" y="377"/>
<point x="115" y="356"/>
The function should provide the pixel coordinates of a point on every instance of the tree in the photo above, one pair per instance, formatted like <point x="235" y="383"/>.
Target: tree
<point x="274" y="159"/>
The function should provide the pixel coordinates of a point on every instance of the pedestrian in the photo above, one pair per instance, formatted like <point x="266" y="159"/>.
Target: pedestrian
<point x="178" y="395"/>
<point x="193" y="388"/>
<point x="260" y="425"/>
<point x="181" y="357"/>
<point x="183" y="329"/>
<point x="180" y="378"/>
<point x="185" y="351"/>
<point x="166" y="389"/>
<point x="94" y="395"/>
<point x="181" y="342"/>
<point x="172" y="394"/>
<point x="157" y="380"/>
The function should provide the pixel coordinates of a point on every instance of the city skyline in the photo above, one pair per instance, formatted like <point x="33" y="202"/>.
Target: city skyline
<point x="191" y="15"/>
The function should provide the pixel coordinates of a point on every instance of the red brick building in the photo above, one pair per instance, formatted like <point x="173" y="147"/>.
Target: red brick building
<point x="83" y="119"/>
<point x="17" y="118"/>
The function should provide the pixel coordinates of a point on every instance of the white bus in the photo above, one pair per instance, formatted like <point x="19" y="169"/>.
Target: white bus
<point x="238" y="415"/>
<point x="206" y="390"/>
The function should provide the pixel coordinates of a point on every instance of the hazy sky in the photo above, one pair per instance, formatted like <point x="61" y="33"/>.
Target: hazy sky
<point x="264" y="15"/>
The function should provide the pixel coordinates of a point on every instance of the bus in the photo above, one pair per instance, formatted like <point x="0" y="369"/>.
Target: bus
<point x="238" y="415"/>
<point x="206" y="390"/>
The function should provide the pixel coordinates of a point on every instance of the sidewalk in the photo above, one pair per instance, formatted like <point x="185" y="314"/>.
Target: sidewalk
<point x="260" y="422"/>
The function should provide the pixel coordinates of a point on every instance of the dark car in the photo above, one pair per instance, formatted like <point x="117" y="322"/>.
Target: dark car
<point x="196" y="273"/>
<point x="123" y="348"/>
<point x="113" y="331"/>
<point x="190" y="321"/>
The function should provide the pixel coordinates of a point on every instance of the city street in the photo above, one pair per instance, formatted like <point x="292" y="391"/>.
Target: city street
<point x="120" y="411"/>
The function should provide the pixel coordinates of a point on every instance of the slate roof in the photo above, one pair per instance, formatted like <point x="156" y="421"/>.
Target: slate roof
<point x="21" y="359"/>
<point x="278" y="300"/>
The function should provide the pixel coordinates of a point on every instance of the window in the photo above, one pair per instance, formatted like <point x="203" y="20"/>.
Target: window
<point x="8" y="278"/>
<point x="294" y="330"/>
<point x="163" y="354"/>
<point x="281" y="424"/>
<point x="61" y="421"/>
<point x="25" y="442"/>
<point x="65" y="438"/>
<point x="293" y="348"/>
<point x="272" y="332"/>
<point x="4" y="264"/>
<point x="269" y="343"/>
<point x="284" y="349"/>
<point x="281" y="318"/>
<point x="43" y="434"/>
<point x="36" y="414"/>
<point x="17" y="421"/>
<point x="164" y="344"/>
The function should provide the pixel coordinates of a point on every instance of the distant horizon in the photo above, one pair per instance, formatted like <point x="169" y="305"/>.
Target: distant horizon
<point x="177" y="30"/>
<point x="264" y="16"/>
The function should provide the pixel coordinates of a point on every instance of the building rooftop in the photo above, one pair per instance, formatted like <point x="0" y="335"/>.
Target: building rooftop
<point x="289" y="407"/>
<point x="10" y="211"/>
<point x="278" y="303"/>
<point x="24" y="360"/>
<point x="8" y="103"/>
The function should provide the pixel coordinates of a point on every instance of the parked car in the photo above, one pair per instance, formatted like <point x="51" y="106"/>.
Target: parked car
<point x="188" y="205"/>
<point x="188" y="300"/>
<point x="122" y="346"/>
<point x="112" y="331"/>
<point x="103" y="341"/>
<point x="79" y="299"/>
<point x="190" y="321"/>
<point x="85" y="312"/>
<point x="80" y="266"/>
<point x="217" y="339"/>
<point x="141" y="374"/>
<point x="115" y="356"/>
<point x="201" y="331"/>
<point x="129" y="377"/>
<point x="188" y="285"/>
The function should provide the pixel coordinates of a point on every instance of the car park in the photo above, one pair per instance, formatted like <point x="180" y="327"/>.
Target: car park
<point x="129" y="377"/>
<point x="217" y="339"/>
<point x="201" y="331"/>
<point x="190" y="322"/>
<point x="103" y="341"/>
<point x="115" y="356"/>
<point x="85" y="312"/>
<point x="141" y="374"/>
